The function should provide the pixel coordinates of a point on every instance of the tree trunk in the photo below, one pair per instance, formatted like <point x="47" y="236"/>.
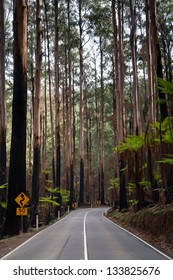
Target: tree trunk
<point x="161" y="95"/>
<point x="36" y="162"/>
<point x="151" y="64"/>
<point x="102" y="167"/>
<point x="119" y="92"/>
<point x="136" y="110"/>
<point x="57" y="100"/>
<point x="97" y="190"/>
<point x="71" y="155"/>
<point x="17" y="170"/>
<point x="3" y="175"/>
<point x="81" y="193"/>
<point x="50" y="95"/>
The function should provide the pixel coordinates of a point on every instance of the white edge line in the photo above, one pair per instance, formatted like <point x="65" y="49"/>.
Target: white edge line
<point x="137" y="237"/>
<point x="32" y="237"/>
<point x="85" y="239"/>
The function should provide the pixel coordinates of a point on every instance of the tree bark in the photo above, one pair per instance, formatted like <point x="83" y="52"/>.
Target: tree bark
<point x="57" y="102"/>
<point x="17" y="170"/>
<point x="151" y="63"/>
<point x="50" y="94"/>
<point x="161" y="95"/>
<point x="136" y="110"/>
<point x="102" y="166"/>
<point x="71" y="121"/>
<point x="3" y="175"/>
<point x="119" y="92"/>
<point x="81" y="193"/>
<point x="37" y="143"/>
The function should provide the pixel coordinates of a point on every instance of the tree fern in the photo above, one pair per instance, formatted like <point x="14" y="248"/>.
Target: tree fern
<point x="3" y="186"/>
<point x="49" y="200"/>
<point x="165" y="86"/>
<point x="167" y="160"/>
<point x="132" y="143"/>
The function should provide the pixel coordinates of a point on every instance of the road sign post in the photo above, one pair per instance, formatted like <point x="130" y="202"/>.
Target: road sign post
<point x="22" y="200"/>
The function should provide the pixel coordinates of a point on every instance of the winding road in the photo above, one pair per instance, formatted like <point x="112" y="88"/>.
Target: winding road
<point x="85" y="234"/>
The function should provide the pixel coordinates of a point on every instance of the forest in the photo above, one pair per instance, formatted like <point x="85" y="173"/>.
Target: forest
<point x="86" y="105"/>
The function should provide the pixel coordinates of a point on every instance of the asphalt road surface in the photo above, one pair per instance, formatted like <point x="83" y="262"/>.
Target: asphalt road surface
<point x="85" y="234"/>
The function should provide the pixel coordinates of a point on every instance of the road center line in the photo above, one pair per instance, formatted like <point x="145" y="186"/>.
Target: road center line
<point x="85" y="238"/>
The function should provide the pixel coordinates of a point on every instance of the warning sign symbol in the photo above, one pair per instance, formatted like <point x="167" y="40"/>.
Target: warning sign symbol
<point x="22" y="199"/>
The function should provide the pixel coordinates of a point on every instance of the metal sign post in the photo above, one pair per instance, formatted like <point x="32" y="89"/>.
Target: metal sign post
<point x="22" y="200"/>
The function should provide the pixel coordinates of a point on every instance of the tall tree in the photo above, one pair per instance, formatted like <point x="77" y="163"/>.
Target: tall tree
<point x="57" y="99"/>
<point x="137" y="117"/>
<point x="151" y="59"/>
<point x="118" y="25"/>
<point x="3" y="178"/>
<point x="81" y="194"/>
<point x="50" y="91"/>
<point x="102" y="163"/>
<point x="71" y="120"/>
<point x="36" y="158"/>
<point x="17" y="170"/>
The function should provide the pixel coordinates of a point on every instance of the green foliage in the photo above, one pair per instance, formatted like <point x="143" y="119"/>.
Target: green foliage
<point x="165" y="86"/>
<point x="49" y="182"/>
<point x="65" y="194"/>
<point x="167" y="160"/>
<point x="167" y="137"/>
<point x="114" y="183"/>
<point x="49" y="200"/>
<point x="157" y="177"/>
<point x="52" y="190"/>
<point x="133" y="202"/>
<point x="124" y="169"/>
<point x="165" y="129"/>
<point x="45" y="171"/>
<point x="117" y="215"/>
<point x="166" y="126"/>
<point x="144" y="166"/>
<point x="145" y="183"/>
<point x="3" y="186"/>
<point x="132" y="143"/>
<point x="131" y="187"/>
<point x="161" y="101"/>
<point x="3" y="204"/>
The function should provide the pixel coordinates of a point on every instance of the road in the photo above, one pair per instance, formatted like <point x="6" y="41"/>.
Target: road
<point x="85" y="234"/>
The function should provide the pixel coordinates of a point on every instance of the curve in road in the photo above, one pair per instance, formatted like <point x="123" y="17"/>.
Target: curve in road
<point x="85" y="234"/>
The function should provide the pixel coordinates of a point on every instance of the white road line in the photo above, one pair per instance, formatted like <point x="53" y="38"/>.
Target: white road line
<point x="138" y="238"/>
<point x="33" y="237"/>
<point x="85" y="239"/>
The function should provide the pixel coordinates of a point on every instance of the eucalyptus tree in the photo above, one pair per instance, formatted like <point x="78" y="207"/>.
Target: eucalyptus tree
<point x="118" y="27"/>
<point x="81" y="58"/>
<point x="133" y="41"/>
<point x="100" y="24"/>
<point x="3" y="175"/>
<point x="17" y="169"/>
<point x="151" y="36"/>
<point x="165" y="50"/>
<point x="57" y="98"/>
<point x="165" y="32"/>
<point x="37" y="134"/>
<point x="50" y="90"/>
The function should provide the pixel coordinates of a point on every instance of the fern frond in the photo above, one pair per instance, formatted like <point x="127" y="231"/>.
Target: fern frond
<point x="132" y="143"/>
<point x="165" y="86"/>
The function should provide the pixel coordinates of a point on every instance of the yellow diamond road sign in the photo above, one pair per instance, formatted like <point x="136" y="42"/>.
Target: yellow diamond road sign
<point x="22" y="199"/>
